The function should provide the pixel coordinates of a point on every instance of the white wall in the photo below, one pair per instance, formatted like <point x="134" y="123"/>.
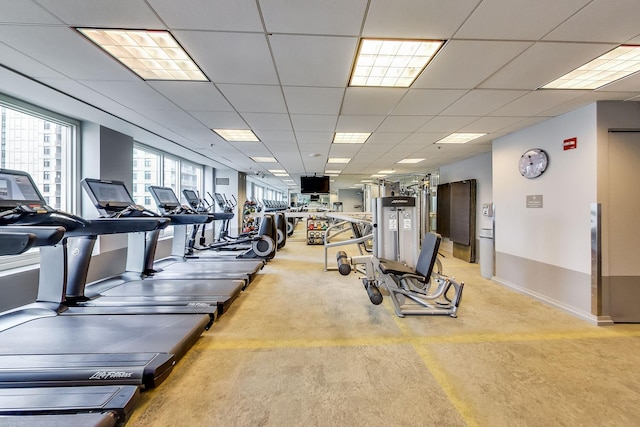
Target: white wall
<point x="557" y="234"/>
<point x="350" y="198"/>
<point x="546" y="252"/>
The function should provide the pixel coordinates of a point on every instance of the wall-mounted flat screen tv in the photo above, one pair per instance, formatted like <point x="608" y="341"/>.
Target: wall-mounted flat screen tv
<point x="314" y="184"/>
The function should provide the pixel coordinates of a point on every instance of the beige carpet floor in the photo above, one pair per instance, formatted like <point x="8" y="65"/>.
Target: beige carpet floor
<point x="305" y="347"/>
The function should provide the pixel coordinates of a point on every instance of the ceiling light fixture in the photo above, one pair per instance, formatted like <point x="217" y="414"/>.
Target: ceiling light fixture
<point x="613" y="65"/>
<point x="281" y="174"/>
<point x="392" y="63"/>
<point x="152" y="55"/>
<point x="351" y="137"/>
<point x="332" y="171"/>
<point x="338" y="160"/>
<point x="264" y="159"/>
<point x="460" y="138"/>
<point x="386" y="172"/>
<point x="407" y="161"/>
<point x="237" y="135"/>
<point x="277" y="171"/>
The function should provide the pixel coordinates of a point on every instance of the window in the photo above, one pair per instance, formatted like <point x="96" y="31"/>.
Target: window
<point x="150" y="173"/>
<point x="164" y="170"/>
<point x="26" y="144"/>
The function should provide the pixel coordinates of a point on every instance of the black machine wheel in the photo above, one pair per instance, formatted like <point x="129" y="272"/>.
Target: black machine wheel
<point x="264" y="247"/>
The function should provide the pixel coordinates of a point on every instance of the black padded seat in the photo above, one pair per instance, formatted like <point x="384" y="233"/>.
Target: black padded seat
<point x="425" y="263"/>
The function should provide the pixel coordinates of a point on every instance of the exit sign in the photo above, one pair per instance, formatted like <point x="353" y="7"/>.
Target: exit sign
<point x="570" y="144"/>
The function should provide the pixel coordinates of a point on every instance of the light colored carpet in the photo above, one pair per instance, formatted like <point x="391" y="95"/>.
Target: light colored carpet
<point x="305" y="347"/>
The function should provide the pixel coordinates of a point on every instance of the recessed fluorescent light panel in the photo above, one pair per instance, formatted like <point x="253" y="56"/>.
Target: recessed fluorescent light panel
<point x="350" y="137"/>
<point x="152" y="55"/>
<point x="338" y="160"/>
<point x="264" y="159"/>
<point x="392" y="63"/>
<point x="614" y="65"/>
<point x="386" y="172"/>
<point x="378" y="175"/>
<point x="277" y="171"/>
<point x="281" y="174"/>
<point x="237" y="135"/>
<point x="408" y="161"/>
<point x="460" y="138"/>
<point x="332" y="171"/>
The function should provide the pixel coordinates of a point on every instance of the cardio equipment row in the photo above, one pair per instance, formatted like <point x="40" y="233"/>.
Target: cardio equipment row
<point x="81" y="352"/>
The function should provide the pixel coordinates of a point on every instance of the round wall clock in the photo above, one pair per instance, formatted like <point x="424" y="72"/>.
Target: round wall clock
<point x="533" y="163"/>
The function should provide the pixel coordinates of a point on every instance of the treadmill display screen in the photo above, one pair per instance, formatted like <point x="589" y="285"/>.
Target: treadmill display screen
<point x="164" y="196"/>
<point x="17" y="188"/>
<point x="109" y="193"/>
<point x="191" y="196"/>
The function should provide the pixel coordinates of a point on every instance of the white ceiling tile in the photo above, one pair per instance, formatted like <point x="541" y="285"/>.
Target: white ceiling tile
<point x="219" y="15"/>
<point x="26" y="12"/>
<point x="135" y="95"/>
<point x="133" y="14"/>
<point x="371" y="101"/>
<point x="489" y="124"/>
<point x="418" y="19"/>
<point x="15" y="60"/>
<point x="402" y="123"/>
<point x="481" y="102"/>
<point x="254" y="98"/>
<point x="616" y="22"/>
<point x="542" y="63"/>
<point x="268" y="121"/>
<point x="335" y="17"/>
<point x="466" y="63"/>
<point x="536" y="102"/>
<point x="64" y="50"/>
<point x="313" y="61"/>
<point x="387" y="138"/>
<point x="348" y="123"/>
<point x="313" y="100"/>
<point x="313" y="138"/>
<point x="277" y="136"/>
<point x="220" y="119"/>
<point x="314" y="122"/>
<point x="429" y="102"/>
<point x="194" y="96"/>
<point x="424" y="138"/>
<point x="446" y="123"/>
<point x="230" y="57"/>
<point x="517" y="19"/>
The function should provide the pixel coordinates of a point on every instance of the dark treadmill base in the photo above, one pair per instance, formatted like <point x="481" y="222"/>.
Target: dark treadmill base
<point x="103" y="419"/>
<point x="162" y="291"/>
<point x="171" y="268"/>
<point x="52" y="401"/>
<point x="47" y="370"/>
<point x="162" y="333"/>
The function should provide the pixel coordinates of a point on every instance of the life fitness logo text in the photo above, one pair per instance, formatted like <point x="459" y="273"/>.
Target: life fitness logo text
<point x="110" y="375"/>
<point x="399" y="201"/>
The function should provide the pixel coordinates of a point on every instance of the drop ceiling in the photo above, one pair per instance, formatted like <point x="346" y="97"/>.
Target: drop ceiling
<point x="281" y="68"/>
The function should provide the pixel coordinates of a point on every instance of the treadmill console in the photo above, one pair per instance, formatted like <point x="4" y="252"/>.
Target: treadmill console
<point x="167" y="201"/>
<point x="19" y="197"/>
<point x="192" y="198"/>
<point x="112" y="199"/>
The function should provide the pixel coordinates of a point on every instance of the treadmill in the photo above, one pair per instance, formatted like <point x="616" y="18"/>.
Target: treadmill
<point x="39" y="345"/>
<point x="134" y="287"/>
<point x="99" y="406"/>
<point x="174" y="266"/>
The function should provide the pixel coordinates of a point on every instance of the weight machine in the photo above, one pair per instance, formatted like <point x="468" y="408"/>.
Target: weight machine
<point x="413" y="281"/>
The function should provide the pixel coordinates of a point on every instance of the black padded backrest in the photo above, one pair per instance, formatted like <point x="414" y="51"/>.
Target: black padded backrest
<point x="428" y="254"/>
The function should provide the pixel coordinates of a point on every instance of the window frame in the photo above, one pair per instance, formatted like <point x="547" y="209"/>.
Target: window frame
<point x="72" y="155"/>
